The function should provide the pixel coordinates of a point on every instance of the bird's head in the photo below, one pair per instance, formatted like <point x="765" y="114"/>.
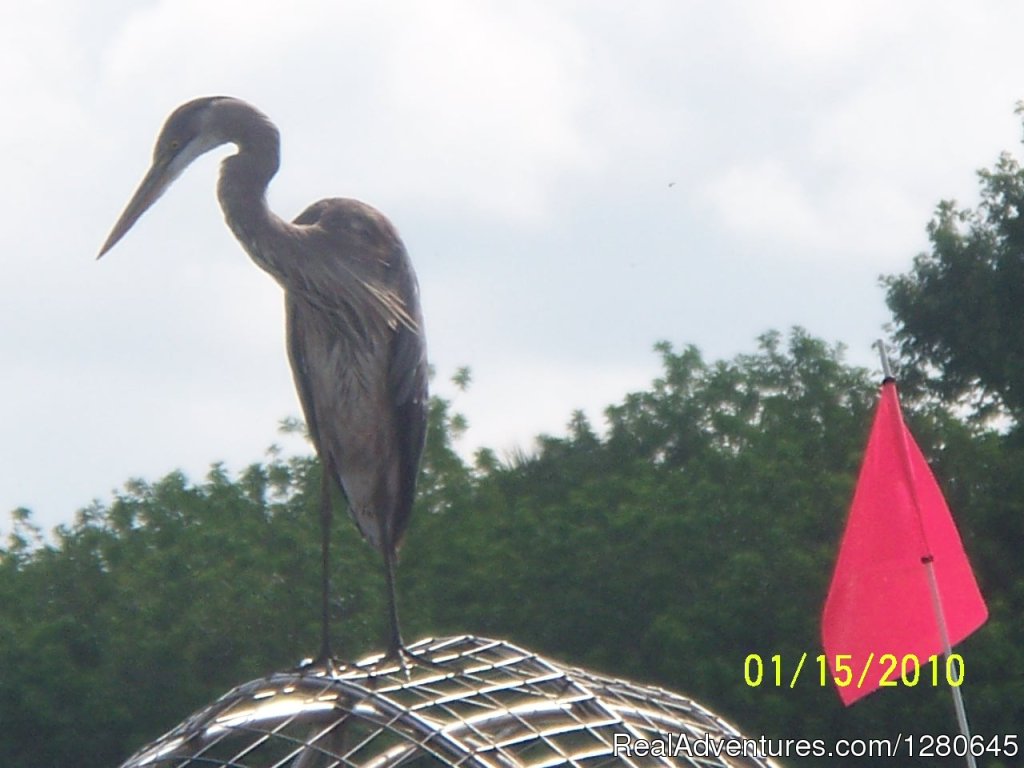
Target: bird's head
<point x="190" y="131"/>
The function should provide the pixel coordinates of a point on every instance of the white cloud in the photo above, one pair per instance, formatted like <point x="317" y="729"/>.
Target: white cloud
<point x="488" y="103"/>
<point x="764" y="201"/>
<point x="809" y="32"/>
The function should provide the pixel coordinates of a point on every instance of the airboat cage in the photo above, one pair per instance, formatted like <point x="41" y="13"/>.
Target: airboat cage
<point x="476" y="703"/>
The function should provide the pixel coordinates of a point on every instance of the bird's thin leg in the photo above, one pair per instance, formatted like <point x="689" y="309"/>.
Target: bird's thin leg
<point x="395" y="645"/>
<point x="396" y="648"/>
<point x="326" y="515"/>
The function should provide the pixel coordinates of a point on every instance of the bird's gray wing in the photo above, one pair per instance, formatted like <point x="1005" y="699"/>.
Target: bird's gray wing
<point x="301" y="374"/>
<point x="407" y="384"/>
<point x="354" y="266"/>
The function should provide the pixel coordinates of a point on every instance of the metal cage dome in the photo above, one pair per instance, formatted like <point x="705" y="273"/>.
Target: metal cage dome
<point x="474" y="702"/>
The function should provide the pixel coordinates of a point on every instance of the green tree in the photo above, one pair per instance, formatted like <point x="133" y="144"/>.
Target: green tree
<point x="957" y="313"/>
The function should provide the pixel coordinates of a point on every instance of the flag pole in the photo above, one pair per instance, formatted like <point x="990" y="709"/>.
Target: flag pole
<point x="940" y="616"/>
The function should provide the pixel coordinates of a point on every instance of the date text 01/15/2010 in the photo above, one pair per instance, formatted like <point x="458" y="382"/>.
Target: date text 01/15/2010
<point x="907" y="670"/>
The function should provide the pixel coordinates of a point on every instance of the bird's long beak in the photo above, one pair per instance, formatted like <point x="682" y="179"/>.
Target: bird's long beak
<point x="157" y="179"/>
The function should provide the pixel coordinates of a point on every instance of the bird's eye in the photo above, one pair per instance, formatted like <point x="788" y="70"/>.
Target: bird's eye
<point x="174" y="145"/>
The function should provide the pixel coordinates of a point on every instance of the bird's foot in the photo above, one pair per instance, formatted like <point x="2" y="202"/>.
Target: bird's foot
<point x="402" y="654"/>
<point x="324" y="662"/>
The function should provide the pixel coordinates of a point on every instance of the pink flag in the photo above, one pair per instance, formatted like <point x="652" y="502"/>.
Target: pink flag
<point x="880" y="600"/>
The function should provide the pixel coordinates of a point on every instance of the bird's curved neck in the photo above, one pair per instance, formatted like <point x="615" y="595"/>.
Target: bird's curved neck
<point x="242" y="188"/>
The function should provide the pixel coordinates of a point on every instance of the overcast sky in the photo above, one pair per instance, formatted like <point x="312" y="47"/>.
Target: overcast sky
<point x="574" y="182"/>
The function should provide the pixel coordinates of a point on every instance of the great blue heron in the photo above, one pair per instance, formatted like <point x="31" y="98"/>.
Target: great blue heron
<point x="355" y="330"/>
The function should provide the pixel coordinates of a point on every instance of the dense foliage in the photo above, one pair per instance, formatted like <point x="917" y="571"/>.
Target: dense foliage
<point x="698" y="527"/>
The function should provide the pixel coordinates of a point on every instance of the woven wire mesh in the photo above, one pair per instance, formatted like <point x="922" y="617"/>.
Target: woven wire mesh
<point x="475" y="702"/>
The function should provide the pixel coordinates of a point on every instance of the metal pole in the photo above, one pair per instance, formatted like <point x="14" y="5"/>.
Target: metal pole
<point x="940" y="617"/>
<point x="886" y="370"/>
